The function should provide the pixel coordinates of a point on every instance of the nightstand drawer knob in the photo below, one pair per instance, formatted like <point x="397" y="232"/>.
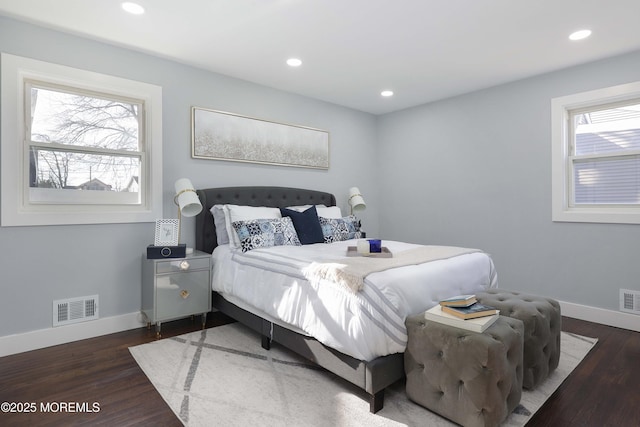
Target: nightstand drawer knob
<point x="184" y="293"/>
<point x="184" y="265"/>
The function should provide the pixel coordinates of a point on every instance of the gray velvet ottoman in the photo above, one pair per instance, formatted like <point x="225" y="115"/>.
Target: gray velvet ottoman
<point x="473" y="379"/>
<point x="542" y="324"/>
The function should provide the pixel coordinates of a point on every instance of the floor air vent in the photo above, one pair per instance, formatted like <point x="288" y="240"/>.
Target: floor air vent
<point x="75" y="310"/>
<point x="630" y="301"/>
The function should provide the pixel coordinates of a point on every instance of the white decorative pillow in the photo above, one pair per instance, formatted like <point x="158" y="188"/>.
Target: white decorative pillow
<point x="219" y="221"/>
<point x="329" y="212"/>
<point x="264" y="233"/>
<point x="340" y="229"/>
<point x="235" y="213"/>
<point x="303" y="208"/>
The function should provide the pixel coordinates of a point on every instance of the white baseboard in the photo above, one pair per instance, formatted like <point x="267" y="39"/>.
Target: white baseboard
<point x="614" y="318"/>
<point x="18" y="343"/>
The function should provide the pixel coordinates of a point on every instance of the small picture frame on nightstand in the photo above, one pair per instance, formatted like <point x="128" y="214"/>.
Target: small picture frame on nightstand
<point x="166" y="232"/>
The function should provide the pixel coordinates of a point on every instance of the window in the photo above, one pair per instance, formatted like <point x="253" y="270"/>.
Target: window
<point x="596" y="156"/>
<point x="78" y="147"/>
<point x="82" y="143"/>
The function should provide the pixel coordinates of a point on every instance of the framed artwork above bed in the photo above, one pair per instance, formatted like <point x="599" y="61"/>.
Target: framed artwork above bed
<point x="219" y="135"/>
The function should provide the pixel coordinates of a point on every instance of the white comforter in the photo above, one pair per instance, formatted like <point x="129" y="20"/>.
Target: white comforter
<point x="365" y="324"/>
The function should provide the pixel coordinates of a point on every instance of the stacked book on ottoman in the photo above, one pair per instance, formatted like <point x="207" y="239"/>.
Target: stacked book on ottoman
<point x="463" y="311"/>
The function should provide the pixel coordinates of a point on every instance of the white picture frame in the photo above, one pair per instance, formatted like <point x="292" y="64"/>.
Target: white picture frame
<point x="166" y="232"/>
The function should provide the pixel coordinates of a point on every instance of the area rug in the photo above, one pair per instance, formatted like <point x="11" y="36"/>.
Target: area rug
<point x="222" y="376"/>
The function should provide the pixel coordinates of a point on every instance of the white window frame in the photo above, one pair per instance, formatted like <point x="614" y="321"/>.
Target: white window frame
<point x="16" y="209"/>
<point x="562" y="167"/>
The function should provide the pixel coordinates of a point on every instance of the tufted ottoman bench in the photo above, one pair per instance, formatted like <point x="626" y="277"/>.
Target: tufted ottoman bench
<point x="542" y="324"/>
<point x="473" y="379"/>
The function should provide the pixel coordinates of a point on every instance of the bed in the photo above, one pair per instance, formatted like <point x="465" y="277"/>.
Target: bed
<point x="370" y="367"/>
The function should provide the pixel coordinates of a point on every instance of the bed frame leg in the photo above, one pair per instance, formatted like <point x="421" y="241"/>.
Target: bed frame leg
<point x="376" y="401"/>
<point x="266" y="342"/>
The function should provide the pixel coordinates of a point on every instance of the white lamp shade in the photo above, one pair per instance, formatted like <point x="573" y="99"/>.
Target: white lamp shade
<point x="355" y="199"/>
<point x="187" y="199"/>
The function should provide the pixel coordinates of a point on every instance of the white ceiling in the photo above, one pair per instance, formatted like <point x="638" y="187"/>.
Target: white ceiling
<point x="423" y="50"/>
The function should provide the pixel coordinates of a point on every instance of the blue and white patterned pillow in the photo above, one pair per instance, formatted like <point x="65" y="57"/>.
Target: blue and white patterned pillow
<point x="264" y="233"/>
<point x="339" y="229"/>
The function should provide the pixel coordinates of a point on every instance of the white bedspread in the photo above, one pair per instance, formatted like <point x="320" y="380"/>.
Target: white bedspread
<point x="365" y="324"/>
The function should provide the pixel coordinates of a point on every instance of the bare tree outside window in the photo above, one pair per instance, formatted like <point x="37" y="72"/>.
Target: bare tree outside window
<point x="83" y="141"/>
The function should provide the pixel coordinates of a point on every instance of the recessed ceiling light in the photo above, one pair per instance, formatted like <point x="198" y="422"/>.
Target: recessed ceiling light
<point x="133" y="8"/>
<point x="579" y="35"/>
<point x="294" y="62"/>
<point x="386" y="93"/>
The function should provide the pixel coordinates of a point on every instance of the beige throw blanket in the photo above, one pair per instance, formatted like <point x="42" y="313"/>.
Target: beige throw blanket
<point x="350" y="272"/>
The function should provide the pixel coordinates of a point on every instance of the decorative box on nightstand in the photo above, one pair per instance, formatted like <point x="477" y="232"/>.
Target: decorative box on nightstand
<point x="173" y="288"/>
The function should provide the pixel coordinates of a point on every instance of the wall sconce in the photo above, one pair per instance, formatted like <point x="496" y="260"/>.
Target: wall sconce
<point x="187" y="201"/>
<point x="356" y="202"/>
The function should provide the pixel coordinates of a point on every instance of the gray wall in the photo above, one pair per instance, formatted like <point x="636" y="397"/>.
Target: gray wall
<point x="41" y="264"/>
<point x="475" y="171"/>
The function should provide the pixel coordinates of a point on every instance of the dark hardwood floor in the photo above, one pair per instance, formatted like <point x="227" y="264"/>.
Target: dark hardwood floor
<point x="602" y="391"/>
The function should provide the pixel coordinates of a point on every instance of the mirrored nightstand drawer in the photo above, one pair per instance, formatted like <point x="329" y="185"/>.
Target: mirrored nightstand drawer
<point x="179" y="264"/>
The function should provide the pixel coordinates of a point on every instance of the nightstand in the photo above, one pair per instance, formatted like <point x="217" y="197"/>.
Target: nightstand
<point x="173" y="288"/>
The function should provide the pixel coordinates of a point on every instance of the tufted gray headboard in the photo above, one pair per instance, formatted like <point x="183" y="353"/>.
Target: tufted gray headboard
<point x="276" y="197"/>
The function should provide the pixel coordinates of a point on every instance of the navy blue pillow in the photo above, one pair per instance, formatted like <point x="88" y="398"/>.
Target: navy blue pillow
<point x="307" y="225"/>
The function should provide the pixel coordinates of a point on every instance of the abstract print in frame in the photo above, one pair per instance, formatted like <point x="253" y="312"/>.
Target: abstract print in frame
<point x="226" y="136"/>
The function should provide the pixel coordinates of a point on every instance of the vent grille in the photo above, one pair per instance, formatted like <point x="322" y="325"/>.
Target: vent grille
<point x="75" y="310"/>
<point x="630" y="301"/>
